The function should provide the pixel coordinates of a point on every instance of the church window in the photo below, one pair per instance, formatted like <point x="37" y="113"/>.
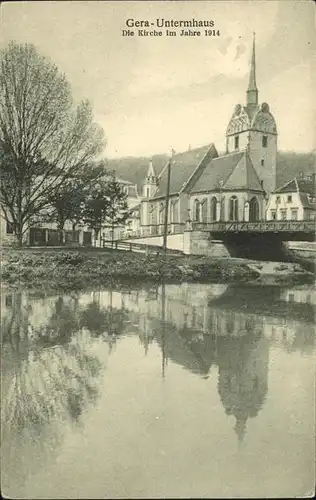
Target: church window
<point x="174" y="212"/>
<point x="161" y="213"/>
<point x="233" y="208"/>
<point x="196" y="211"/>
<point x="204" y="210"/>
<point x="236" y="141"/>
<point x="253" y="210"/>
<point x="278" y="199"/>
<point x="147" y="192"/>
<point x="264" y="141"/>
<point x="213" y="208"/>
<point x="289" y="198"/>
<point x="273" y="214"/>
<point x="262" y="162"/>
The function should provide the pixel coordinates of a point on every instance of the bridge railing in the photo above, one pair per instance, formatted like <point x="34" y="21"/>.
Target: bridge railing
<point x="306" y="226"/>
<point x="138" y="247"/>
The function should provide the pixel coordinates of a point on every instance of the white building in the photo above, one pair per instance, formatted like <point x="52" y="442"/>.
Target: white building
<point x="295" y="200"/>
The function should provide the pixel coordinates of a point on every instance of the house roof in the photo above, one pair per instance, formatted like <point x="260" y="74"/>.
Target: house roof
<point x="183" y="168"/>
<point x="302" y="185"/>
<point x="135" y="208"/>
<point x="233" y="171"/>
<point x="306" y="188"/>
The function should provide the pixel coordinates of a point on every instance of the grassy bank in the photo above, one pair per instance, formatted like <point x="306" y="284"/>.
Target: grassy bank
<point x="75" y="269"/>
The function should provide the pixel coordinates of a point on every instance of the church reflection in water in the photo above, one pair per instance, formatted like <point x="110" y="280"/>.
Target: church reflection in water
<point x="51" y="345"/>
<point x="229" y="328"/>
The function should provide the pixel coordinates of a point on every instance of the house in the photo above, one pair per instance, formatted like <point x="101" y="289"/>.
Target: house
<point x="206" y="187"/>
<point x="295" y="200"/>
<point x="46" y="232"/>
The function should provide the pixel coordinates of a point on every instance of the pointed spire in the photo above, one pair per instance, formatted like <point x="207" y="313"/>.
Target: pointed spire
<point x="252" y="92"/>
<point x="240" y="427"/>
<point x="151" y="174"/>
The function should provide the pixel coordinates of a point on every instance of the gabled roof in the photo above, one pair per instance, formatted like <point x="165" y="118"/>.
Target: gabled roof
<point x="233" y="171"/>
<point x="302" y="185"/>
<point x="184" y="167"/>
<point x="305" y="187"/>
<point x="244" y="176"/>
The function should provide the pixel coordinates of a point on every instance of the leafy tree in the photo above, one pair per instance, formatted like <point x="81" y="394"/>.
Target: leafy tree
<point x="44" y="138"/>
<point x="117" y="211"/>
<point x="106" y="204"/>
<point x="69" y="201"/>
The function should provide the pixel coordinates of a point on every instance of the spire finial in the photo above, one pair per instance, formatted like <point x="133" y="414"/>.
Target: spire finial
<point x="252" y="92"/>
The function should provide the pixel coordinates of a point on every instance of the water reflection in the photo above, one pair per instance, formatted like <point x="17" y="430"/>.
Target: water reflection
<point x="243" y="377"/>
<point x="51" y="368"/>
<point x="55" y="348"/>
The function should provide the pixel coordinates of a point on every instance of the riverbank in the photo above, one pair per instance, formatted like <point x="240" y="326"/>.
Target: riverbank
<point x="78" y="268"/>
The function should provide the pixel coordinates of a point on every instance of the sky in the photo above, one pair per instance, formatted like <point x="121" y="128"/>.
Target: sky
<point x="152" y="94"/>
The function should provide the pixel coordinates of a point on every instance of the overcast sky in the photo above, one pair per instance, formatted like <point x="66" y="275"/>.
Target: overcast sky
<point x="153" y="94"/>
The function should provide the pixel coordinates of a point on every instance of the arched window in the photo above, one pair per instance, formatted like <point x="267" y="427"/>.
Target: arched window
<point x="152" y="211"/>
<point x="233" y="208"/>
<point x="204" y="210"/>
<point x="213" y="208"/>
<point x="161" y="213"/>
<point x="196" y="211"/>
<point x="223" y="209"/>
<point x="253" y="209"/>
<point x="174" y="211"/>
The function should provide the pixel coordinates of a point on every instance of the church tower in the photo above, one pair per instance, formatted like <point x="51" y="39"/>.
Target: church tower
<point x="149" y="188"/>
<point x="253" y="127"/>
<point x="150" y="183"/>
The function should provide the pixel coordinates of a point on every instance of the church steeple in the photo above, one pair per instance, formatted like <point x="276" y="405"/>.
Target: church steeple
<point x="252" y="91"/>
<point x="150" y="183"/>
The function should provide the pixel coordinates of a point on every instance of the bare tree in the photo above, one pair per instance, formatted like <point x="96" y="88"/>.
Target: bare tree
<point x="44" y="138"/>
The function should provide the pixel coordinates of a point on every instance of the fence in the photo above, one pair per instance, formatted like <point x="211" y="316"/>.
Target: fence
<point x="54" y="237"/>
<point x="138" y="247"/>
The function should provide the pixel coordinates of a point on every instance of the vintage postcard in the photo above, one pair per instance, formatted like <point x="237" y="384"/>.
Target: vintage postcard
<point x="157" y="231"/>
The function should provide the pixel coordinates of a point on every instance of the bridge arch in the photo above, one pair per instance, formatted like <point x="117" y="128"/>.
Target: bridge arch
<point x="253" y="209"/>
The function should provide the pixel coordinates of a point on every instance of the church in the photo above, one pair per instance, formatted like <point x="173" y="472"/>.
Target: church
<point x="207" y="187"/>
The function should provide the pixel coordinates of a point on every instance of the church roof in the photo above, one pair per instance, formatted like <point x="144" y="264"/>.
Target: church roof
<point x="233" y="171"/>
<point x="184" y="167"/>
<point x="252" y="85"/>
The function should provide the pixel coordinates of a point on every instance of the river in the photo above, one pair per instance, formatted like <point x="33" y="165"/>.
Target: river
<point x="192" y="390"/>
